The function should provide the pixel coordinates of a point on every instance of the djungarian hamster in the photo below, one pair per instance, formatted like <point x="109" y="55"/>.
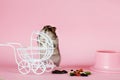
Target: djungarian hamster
<point x="51" y="32"/>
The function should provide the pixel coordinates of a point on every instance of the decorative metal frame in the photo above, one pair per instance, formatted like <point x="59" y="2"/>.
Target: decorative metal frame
<point x="36" y="57"/>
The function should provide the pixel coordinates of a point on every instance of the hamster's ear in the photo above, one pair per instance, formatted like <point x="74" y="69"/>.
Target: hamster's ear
<point x="53" y="29"/>
<point x="45" y="27"/>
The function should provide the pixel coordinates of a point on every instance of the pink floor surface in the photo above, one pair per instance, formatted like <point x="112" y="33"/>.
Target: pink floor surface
<point x="13" y="74"/>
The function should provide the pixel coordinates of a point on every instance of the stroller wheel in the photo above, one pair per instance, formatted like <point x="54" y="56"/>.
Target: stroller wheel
<point x="49" y="65"/>
<point x="24" y="67"/>
<point x="39" y="68"/>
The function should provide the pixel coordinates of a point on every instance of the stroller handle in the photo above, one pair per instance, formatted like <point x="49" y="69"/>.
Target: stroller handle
<point x="12" y="45"/>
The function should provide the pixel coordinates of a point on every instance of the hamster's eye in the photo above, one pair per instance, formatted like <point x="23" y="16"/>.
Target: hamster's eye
<point x="49" y="29"/>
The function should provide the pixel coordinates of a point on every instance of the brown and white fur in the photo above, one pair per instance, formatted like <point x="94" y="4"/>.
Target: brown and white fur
<point x="51" y="32"/>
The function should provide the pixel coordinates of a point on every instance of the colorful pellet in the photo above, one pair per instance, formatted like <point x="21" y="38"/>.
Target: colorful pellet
<point x="80" y="72"/>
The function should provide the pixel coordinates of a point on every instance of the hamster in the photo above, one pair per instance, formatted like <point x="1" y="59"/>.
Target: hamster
<point x="51" y="32"/>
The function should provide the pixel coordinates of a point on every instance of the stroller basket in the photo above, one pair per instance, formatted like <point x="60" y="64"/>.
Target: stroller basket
<point x="34" y="53"/>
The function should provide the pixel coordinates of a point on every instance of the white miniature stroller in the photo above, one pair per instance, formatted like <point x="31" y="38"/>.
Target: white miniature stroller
<point x="34" y="58"/>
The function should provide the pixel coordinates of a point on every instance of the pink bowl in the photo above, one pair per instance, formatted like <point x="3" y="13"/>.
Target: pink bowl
<point x="107" y="61"/>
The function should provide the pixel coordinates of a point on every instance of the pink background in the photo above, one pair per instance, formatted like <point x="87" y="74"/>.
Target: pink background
<point x="83" y="26"/>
